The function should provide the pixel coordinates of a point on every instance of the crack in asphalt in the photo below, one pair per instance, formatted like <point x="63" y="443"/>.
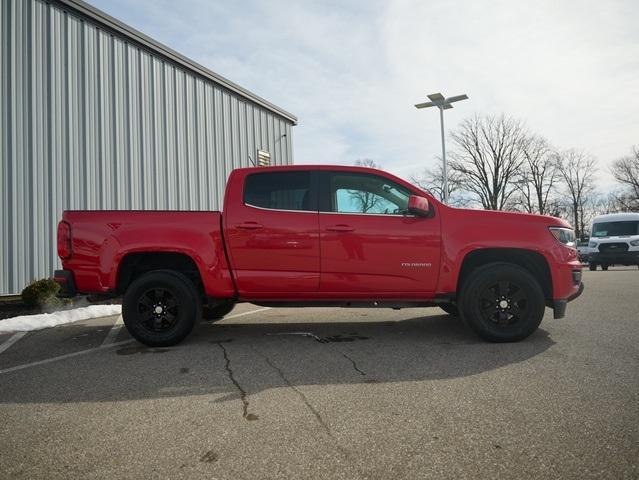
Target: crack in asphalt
<point x="243" y="394"/>
<point x="357" y="369"/>
<point x="302" y="334"/>
<point x="304" y="399"/>
<point x="334" y="338"/>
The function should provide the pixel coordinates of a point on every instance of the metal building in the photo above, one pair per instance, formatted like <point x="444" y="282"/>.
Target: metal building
<point x="96" y="115"/>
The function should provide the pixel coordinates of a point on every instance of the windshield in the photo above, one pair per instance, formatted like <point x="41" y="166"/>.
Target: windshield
<point x="615" y="229"/>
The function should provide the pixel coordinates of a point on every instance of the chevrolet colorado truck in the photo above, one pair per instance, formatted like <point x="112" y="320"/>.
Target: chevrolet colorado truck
<point x="321" y="236"/>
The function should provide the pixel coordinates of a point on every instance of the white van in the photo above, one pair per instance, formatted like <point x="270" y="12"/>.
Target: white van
<point x="614" y="240"/>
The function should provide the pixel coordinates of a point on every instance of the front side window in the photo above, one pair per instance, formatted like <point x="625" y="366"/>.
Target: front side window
<point x="280" y="191"/>
<point x="367" y="194"/>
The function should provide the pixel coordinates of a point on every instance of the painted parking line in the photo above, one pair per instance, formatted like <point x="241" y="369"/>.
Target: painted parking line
<point x="247" y="313"/>
<point x="113" y="333"/>
<point x="63" y="357"/>
<point x="110" y="337"/>
<point x="119" y="324"/>
<point x="12" y="339"/>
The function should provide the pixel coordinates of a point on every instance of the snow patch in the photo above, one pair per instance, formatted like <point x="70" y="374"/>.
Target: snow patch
<point x="26" y="323"/>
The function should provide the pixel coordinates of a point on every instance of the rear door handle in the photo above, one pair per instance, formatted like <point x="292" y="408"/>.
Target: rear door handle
<point x="340" y="228"/>
<point x="249" y="225"/>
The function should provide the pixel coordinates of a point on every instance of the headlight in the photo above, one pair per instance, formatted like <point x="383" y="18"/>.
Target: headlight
<point x="564" y="235"/>
<point x="635" y="243"/>
<point x="592" y="244"/>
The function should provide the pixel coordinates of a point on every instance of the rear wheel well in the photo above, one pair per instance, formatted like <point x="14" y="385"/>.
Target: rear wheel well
<point x="135" y="264"/>
<point x="533" y="262"/>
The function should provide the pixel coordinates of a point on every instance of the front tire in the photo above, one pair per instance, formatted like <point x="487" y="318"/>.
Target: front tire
<point x="592" y="267"/>
<point x="604" y="267"/>
<point x="502" y="302"/>
<point x="160" y="308"/>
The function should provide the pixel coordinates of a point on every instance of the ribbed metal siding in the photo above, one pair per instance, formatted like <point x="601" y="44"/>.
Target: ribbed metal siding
<point x="90" y="121"/>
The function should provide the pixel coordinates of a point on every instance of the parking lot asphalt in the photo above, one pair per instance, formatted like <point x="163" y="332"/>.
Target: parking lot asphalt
<point x="331" y="393"/>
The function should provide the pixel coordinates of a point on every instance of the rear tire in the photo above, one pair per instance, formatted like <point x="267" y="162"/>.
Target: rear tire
<point x="604" y="267"/>
<point x="502" y="302"/>
<point x="592" y="267"/>
<point x="160" y="308"/>
<point x="450" y="308"/>
<point x="218" y="312"/>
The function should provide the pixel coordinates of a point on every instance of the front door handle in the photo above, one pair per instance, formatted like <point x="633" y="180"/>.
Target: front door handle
<point x="340" y="228"/>
<point x="249" y="225"/>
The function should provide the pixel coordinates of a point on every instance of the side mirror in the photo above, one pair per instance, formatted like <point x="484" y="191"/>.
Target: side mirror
<point x="418" y="206"/>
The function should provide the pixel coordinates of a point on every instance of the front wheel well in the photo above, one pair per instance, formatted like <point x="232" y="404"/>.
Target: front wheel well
<point x="135" y="264"/>
<point x="533" y="262"/>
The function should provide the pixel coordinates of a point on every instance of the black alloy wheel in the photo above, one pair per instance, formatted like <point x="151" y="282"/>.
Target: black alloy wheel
<point x="158" y="310"/>
<point x="502" y="302"/>
<point x="161" y="307"/>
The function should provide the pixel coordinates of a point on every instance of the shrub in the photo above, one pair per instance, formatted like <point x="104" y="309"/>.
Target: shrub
<point x="41" y="293"/>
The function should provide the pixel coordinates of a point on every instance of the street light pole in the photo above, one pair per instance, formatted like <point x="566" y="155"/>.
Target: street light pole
<point x="438" y="100"/>
<point x="444" y="164"/>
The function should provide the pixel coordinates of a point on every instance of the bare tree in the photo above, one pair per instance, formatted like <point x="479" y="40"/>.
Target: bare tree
<point x="578" y="171"/>
<point x="626" y="171"/>
<point x="487" y="156"/>
<point x="364" y="200"/>
<point x="621" y="200"/>
<point x="627" y="202"/>
<point x="432" y="180"/>
<point x="367" y="162"/>
<point x="539" y="176"/>
<point x="614" y="201"/>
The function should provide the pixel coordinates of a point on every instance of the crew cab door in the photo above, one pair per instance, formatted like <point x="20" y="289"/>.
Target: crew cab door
<point x="272" y="233"/>
<point x="369" y="243"/>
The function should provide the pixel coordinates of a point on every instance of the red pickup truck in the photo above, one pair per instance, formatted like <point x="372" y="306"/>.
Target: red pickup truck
<point x="321" y="236"/>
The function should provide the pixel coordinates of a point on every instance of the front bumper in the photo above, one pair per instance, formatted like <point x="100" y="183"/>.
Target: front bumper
<point x="65" y="279"/>
<point x="559" y="306"/>
<point x="616" y="258"/>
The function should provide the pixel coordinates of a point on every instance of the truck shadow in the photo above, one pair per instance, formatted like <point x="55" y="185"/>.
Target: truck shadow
<point x="235" y="361"/>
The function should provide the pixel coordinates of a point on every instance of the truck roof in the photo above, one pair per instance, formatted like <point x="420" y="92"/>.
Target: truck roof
<point x="344" y="168"/>
<point x="616" y="217"/>
<point x="313" y="166"/>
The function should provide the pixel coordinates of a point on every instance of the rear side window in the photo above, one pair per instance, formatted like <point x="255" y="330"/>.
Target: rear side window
<point x="280" y="191"/>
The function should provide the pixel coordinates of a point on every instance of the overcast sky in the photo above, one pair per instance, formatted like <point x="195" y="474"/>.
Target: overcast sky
<point x="352" y="71"/>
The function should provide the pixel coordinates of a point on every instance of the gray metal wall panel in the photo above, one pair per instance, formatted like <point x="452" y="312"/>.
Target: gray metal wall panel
<point x="91" y="121"/>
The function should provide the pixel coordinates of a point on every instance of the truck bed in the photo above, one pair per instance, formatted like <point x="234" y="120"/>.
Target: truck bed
<point x="102" y="239"/>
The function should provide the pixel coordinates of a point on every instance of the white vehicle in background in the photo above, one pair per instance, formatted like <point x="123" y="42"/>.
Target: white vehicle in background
<point x="582" y="250"/>
<point x="614" y="240"/>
